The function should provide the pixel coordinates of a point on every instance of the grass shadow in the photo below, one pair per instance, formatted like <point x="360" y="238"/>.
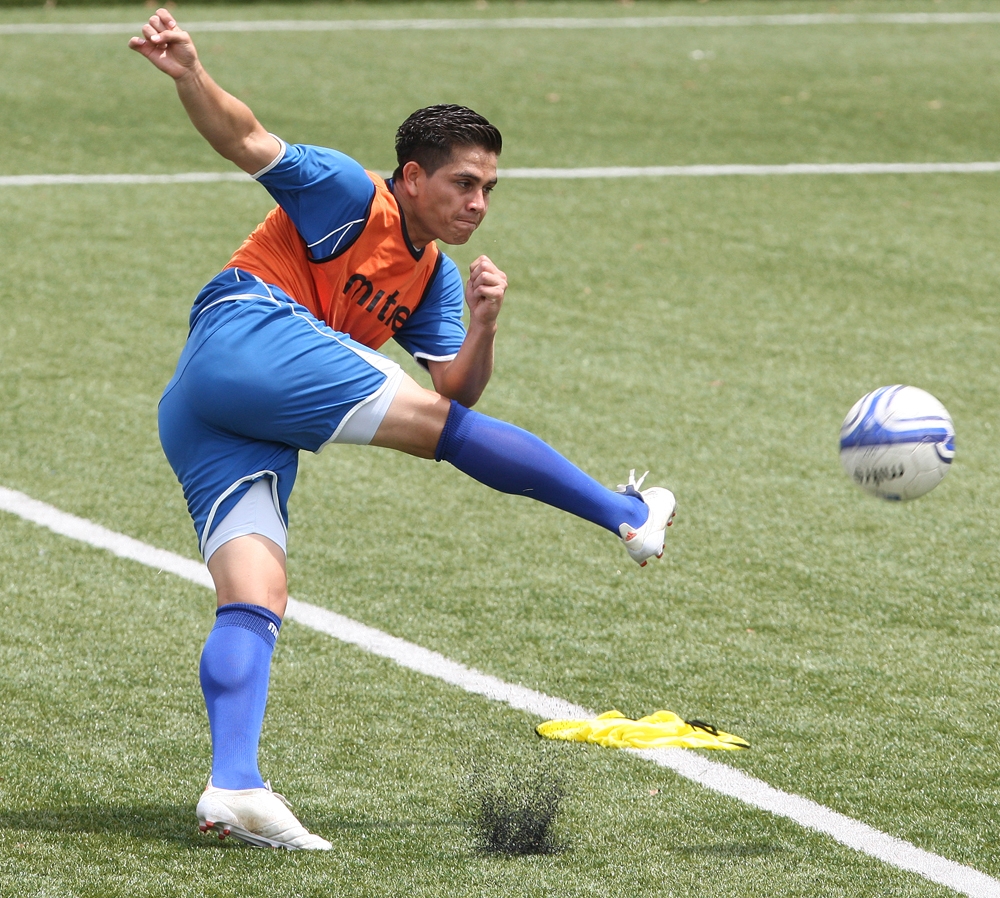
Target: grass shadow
<point x="175" y="823"/>
<point x="153" y="821"/>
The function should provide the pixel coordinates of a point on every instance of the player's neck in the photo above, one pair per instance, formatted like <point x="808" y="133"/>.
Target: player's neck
<point x="411" y="223"/>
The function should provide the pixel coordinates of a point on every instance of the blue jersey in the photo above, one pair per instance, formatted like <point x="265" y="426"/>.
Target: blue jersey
<point x="337" y="244"/>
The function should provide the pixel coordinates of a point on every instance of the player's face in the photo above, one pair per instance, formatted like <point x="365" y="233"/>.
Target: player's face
<point x="450" y="204"/>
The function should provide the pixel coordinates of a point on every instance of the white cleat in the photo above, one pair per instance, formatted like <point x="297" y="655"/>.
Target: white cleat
<point x="260" y="817"/>
<point x="646" y="541"/>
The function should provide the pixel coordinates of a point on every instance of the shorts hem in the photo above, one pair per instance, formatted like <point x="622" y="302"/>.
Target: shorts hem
<point x="208" y="545"/>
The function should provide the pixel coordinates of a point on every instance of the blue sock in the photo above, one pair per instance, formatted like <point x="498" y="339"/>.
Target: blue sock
<point x="235" y="670"/>
<point x="512" y="460"/>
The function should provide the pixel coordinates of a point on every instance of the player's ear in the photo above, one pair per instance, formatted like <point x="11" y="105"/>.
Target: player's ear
<point x="412" y="177"/>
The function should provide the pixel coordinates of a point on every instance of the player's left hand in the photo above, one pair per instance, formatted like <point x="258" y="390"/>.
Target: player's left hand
<point x="167" y="46"/>
<point x="484" y="291"/>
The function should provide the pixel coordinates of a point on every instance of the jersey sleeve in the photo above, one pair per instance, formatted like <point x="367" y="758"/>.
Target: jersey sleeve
<point x="326" y="194"/>
<point x="435" y="332"/>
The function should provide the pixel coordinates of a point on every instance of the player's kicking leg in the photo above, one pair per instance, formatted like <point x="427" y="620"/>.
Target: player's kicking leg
<point x="512" y="460"/>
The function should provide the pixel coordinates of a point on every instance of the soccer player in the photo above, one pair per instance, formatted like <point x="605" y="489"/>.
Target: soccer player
<point x="281" y="356"/>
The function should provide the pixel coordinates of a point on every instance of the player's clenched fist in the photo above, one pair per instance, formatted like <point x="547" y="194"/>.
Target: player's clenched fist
<point x="485" y="290"/>
<point x="165" y="45"/>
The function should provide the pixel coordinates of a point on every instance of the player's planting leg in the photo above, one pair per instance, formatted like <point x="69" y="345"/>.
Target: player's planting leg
<point x="235" y="669"/>
<point x="512" y="460"/>
<point x="235" y="672"/>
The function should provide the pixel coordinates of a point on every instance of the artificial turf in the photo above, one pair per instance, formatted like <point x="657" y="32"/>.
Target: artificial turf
<point x="713" y="330"/>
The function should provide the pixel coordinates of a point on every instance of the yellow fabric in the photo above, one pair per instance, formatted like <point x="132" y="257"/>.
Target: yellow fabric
<point x="664" y="729"/>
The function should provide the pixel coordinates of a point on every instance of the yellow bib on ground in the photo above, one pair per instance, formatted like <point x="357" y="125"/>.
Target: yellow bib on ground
<point x="664" y="729"/>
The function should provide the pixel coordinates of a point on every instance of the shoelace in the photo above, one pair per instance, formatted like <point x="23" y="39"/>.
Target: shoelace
<point x="632" y="482"/>
<point x="278" y="795"/>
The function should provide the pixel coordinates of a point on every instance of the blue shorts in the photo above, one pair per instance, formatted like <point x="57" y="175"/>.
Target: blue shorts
<point x="259" y="379"/>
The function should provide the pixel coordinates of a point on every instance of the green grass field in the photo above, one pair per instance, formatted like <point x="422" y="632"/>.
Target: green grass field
<point x="713" y="330"/>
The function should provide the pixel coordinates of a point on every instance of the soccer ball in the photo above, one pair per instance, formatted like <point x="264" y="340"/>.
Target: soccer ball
<point x="897" y="442"/>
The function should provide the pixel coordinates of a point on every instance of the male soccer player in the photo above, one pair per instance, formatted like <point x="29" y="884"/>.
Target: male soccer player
<point x="281" y="357"/>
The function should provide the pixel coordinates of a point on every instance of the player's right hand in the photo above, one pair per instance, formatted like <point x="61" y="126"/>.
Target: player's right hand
<point x="484" y="291"/>
<point x="165" y="45"/>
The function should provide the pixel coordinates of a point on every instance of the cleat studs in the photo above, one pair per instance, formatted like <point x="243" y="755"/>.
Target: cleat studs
<point x="204" y="827"/>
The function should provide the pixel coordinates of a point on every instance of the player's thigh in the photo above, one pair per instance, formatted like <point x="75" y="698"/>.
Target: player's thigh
<point x="217" y="468"/>
<point x="258" y="380"/>
<point x="275" y="373"/>
<point x="414" y="421"/>
<point x="250" y="568"/>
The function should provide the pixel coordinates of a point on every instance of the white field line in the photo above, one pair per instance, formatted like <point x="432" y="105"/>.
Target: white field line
<point x="710" y="774"/>
<point x="795" y="168"/>
<point x="191" y="177"/>
<point x="646" y="171"/>
<point x="916" y="18"/>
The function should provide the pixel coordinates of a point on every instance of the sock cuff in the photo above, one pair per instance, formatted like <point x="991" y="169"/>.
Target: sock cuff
<point x="456" y="428"/>
<point x="254" y="618"/>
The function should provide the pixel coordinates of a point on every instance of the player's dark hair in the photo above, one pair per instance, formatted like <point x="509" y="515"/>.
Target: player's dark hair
<point x="430" y="136"/>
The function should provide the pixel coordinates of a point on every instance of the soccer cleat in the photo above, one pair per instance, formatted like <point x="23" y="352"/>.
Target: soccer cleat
<point x="646" y="541"/>
<point x="260" y="817"/>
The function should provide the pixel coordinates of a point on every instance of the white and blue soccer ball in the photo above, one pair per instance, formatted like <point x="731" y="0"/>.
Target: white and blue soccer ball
<point x="897" y="442"/>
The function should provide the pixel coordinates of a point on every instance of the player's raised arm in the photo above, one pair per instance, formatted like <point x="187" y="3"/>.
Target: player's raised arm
<point x="225" y="122"/>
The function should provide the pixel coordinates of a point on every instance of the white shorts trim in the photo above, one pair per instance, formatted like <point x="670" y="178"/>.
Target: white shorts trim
<point x="256" y="512"/>
<point x="360" y="423"/>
